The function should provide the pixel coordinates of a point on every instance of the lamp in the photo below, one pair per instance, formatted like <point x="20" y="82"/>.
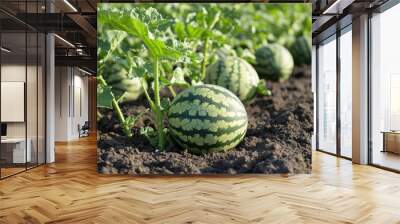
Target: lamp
<point x="84" y="71"/>
<point x="5" y="50"/>
<point x="70" y="5"/>
<point x="65" y="41"/>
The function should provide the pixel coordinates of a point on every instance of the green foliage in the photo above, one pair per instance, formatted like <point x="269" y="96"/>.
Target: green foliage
<point x="242" y="27"/>
<point x="262" y="88"/>
<point x="104" y="96"/>
<point x="150" y="32"/>
<point x="144" y="48"/>
<point x="140" y="23"/>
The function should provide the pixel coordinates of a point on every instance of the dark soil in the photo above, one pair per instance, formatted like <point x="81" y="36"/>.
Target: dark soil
<point x="278" y="138"/>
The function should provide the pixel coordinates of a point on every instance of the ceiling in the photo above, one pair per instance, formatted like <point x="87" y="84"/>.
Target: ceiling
<point x="74" y="22"/>
<point x="330" y="15"/>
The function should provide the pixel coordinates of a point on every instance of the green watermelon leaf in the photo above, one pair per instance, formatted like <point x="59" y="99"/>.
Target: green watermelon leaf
<point x="262" y="88"/>
<point x="178" y="78"/>
<point x="104" y="96"/>
<point x="150" y="134"/>
<point x="247" y="55"/>
<point x="180" y="30"/>
<point x="108" y="43"/>
<point x="194" y="31"/>
<point x="131" y="120"/>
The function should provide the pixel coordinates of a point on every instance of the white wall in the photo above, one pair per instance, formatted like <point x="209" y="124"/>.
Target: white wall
<point x="80" y="105"/>
<point x="61" y="106"/>
<point x="71" y="94"/>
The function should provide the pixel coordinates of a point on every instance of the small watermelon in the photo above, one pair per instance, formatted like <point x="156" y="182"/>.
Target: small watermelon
<point x="130" y="89"/>
<point x="274" y="62"/>
<point x="301" y="51"/>
<point x="235" y="74"/>
<point x="207" y="118"/>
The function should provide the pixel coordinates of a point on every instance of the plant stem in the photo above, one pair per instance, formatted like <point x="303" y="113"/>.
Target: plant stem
<point x="117" y="109"/>
<point x="205" y="58"/>
<point x="171" y="89"/>
<point x="147" y="95"/>
<point x="156" y="82"/>
<point x="158" y="112"/>
<point x="99" y="116"/>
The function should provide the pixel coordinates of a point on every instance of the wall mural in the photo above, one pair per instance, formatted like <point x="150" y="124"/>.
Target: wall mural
<point x="204" y="88"/>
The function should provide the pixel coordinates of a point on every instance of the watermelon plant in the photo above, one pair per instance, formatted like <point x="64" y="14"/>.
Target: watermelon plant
<point x="145" y="50"/>
<point x="207" y="118"/>
<point x="205" y="27"/>
<point x="274" y="62"/>
<point x="107" y="44"/>
<point x="148" y="27"/>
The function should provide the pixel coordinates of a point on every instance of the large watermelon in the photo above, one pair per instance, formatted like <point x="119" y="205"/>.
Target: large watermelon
<point x="301" y="51"/>
<point x="235" y="74"/>
<point x="274" y="62"/>
<point x="116" y="76"/>
<point x="207" y="118"/>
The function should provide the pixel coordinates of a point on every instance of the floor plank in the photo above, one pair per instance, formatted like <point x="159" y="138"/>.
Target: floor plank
<point x="71" y="191"/>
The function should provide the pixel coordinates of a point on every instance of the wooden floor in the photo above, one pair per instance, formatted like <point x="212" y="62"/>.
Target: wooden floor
<point x="70" y="191"/>
<point x="5" y="172"/>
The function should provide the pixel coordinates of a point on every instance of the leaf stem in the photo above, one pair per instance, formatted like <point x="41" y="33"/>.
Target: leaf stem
<point x="171" y="89"/>
<point x="99" y="115"/>
<point x="147" y="95"/>
<point x="117" y="109"/>
<point x="156" y="82"/>
<point x="205" y="58"/>
<point x="158" y="110"/>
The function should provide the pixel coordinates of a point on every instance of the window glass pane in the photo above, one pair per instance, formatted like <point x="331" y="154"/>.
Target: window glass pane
<point x="14" y="153"/>
<point x="327" y="96"/>
<point x="385" y="114"/>
<point x="22" y="88"/>
<point x="346" y="93"/>
<point x="31" y="97"/>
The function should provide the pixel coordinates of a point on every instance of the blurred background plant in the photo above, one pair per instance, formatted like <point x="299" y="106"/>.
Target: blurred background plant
<point x="144" y="48"/>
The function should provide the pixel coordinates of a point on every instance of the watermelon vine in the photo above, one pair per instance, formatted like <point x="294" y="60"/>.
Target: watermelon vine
<point x="144" y="50"/>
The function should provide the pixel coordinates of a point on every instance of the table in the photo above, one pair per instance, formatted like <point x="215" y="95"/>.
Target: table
<point x="391" y="141"/>
<point x="15" y="148"/>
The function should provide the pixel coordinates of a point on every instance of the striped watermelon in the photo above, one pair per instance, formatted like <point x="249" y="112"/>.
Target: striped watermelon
<point x="274" y="62"/>
<point x="235" y="74"/>
<point x="207" y="118"/>
<point x="117" y="77"/>
<point x="301" y="51"/>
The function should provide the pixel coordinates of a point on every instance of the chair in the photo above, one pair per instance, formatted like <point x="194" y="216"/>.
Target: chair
<point x="84" y="130"/>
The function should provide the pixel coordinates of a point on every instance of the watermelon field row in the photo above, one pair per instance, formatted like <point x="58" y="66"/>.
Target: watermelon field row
<point x="186" y="88"/>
